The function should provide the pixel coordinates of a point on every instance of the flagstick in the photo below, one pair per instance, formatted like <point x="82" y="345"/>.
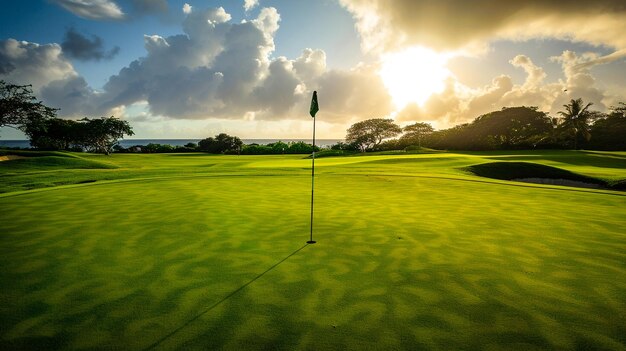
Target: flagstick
<point x="311" y="241"/>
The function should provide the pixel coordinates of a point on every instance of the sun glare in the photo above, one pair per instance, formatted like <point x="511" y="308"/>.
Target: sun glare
<point x="413" y="75"/>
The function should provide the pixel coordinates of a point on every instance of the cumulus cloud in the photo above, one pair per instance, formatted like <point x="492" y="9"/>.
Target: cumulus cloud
<point x="535" y="74"/>
<point x="459" y="103"/>
<point x="23" y="62"/>
<point x="210" y="71"/>
<point x="250" y="4"/>
<point x="76" y="45"/>
<point x="187" y="8"/>
<point x="73" y="96"/>
<point x="52" y="76"/>
<point x="92" y="9"/>
<point x="220" y="69"/>
<point x="311" y="64"/>
<point x="579" y="82"/>
<point x="456" y="24"/>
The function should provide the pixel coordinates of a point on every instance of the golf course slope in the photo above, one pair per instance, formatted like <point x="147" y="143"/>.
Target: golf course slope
<point x="198" y="252"/>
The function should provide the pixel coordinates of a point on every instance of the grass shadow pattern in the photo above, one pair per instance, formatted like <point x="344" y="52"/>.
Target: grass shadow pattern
<point x="400" y="263"/>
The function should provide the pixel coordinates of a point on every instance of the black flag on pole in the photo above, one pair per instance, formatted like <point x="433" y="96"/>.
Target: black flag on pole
<point x="314" y="106"/>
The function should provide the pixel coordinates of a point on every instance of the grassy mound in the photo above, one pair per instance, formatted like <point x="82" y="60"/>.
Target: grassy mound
<point x="521" y="170"/>
<point x="50" y="163"/>
<point x="29" y="153"/>
<point x="333" y="153"/>
<point x="408" y="151"/>
<point x="420" y="150"/>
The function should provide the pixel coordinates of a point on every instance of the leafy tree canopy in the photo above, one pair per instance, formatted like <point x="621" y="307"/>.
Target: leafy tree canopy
<point x="511" y="127"/>
<point x="18" y="106"/>
<point x="222" y="143"/>
<point x="609" y="133"/>
<point x="371" y="132"/>
<point x="95" y="135"/>
<point x="414" y="133"/>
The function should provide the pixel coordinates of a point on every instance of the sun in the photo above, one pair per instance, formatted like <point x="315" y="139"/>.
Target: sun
<point x="413" y="75"/>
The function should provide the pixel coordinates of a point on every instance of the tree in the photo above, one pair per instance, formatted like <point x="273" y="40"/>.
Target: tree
<point x="18" y="106"/>
<point x="96" y="135"/>
<point x="519" y="127"/>
<point x="577" y="119"/>
<point x="609" y="133"/>
<point x="54" y="134"/>
<point x="618" y="111"/>
<point x="101" y="134"/>
<point x="416" y="131"/>
<point x="371" y="132"/>
<point x="222" y="143"/>
<point x="279" y="147"/>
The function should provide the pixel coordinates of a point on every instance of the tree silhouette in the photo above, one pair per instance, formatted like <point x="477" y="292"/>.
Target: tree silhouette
<point x="96" y="135"/>
<point x="417" y="131"/>
<point x="577" y="118"/>
<point x="222" y="143"/>
<point x="18" y="106"/>
<point x="609" y="132"/>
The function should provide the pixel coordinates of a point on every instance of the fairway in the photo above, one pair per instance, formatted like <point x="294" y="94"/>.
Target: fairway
<point x="197" y="252"/>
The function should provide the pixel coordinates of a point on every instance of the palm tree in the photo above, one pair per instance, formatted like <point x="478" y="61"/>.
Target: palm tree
<point x="576" y="118"/>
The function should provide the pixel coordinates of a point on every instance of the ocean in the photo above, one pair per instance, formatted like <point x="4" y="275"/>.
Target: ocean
<point x="180" y="142"/>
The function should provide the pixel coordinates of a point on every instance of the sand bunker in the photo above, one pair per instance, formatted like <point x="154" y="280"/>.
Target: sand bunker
<point x="10" y="157"/>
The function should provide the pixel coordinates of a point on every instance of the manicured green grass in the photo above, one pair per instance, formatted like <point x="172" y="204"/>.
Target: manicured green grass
<point x="181" y="252"/>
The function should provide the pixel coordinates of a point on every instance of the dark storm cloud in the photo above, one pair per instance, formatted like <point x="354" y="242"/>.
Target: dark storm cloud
<point x="5" y="66"/>
<point x="78" y="46"/>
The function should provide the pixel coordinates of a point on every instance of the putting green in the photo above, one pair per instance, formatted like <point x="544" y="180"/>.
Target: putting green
<point x="439" y="260"/>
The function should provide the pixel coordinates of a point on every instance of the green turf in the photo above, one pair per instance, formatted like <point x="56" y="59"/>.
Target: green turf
<point x="180" y="252"/>
<point x="51" y="163"/>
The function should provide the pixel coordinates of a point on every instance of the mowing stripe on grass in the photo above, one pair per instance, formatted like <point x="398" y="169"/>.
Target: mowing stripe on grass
<point x="158" y="342"/>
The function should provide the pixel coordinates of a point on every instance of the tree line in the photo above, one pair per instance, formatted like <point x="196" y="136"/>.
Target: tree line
<point x="510" y="128"/>
<point x="224" y="144"/>
<point x="20" y="109"/>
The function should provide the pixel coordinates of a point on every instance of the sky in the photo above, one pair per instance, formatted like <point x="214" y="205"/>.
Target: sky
<point x="193" y="69"/>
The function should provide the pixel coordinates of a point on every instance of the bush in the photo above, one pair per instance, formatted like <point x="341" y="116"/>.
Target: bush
<point x="221" y="144"/>
<point x="255" y="149"/>
<point x="157" y="148"/>
<point x="334" y="153"/>
<point x="344" y="146"/>
<point x="278" y="148"/>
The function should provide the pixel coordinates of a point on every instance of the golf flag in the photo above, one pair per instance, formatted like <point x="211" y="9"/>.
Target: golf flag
<point x="314" y="106"/>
